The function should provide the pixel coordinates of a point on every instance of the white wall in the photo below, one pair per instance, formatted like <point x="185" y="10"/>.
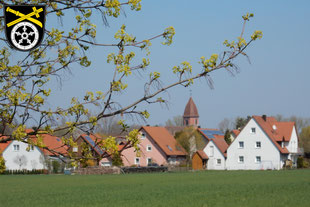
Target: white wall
<point x="217" y="154"/>
<point x="270" y="155"/>
<point x="34" y="159"/>
<point x="292" y="147"/>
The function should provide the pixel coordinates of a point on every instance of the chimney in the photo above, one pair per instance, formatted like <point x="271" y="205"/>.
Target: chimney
<point x="264" y="117"/>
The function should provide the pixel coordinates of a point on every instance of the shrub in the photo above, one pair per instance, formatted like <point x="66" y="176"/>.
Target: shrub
<point x="2" y="164"/>
<point x="23" y="172"/>
<point x="56" y="166"/>
<point x="300" y="162"/>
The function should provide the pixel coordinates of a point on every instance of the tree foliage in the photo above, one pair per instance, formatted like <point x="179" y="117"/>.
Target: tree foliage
<point x="227" y="136"/>
<point x="241" y="122"/>
<point x="304" y="139"/>
<point x="190" y="139"/>
<point x="2" y="163"/>
<point x="26" y="81"/>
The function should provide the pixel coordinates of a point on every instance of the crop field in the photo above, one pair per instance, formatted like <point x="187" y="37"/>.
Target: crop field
<point x="208" y="188"/>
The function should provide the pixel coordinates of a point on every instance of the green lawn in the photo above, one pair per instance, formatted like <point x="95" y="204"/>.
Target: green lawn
<point x="209" y="188"/>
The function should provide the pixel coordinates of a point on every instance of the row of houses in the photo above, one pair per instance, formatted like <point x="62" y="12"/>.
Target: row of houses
<point x="264" y="143"/>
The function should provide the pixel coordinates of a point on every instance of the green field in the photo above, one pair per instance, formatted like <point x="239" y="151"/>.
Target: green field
<point x="209" y="188"/>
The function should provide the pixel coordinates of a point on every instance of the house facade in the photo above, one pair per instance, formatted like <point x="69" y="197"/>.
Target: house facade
<point x="215" y="148"/>
<point x="22" y="156"/>
<point x="17" y="157"/>
<point x="264" y="143"/>
<point x="157" y="145"/>
<point x="216" y="152"/>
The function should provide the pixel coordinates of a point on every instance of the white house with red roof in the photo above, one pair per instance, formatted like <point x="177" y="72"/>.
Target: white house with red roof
<point x="158" y="146"/>
<point x="264" y="143"/>
<point x="18" y="158"/>
<point x="215" y="149"/>
<point x="19" y="155"/>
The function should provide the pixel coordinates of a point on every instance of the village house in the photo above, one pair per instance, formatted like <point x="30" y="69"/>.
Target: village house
<point x="215" y="148"/>
<point x="264" y="143"/>
<point x="22" y="156"/>
<point x="91" y="142"/>
<point x="158" y="146"/>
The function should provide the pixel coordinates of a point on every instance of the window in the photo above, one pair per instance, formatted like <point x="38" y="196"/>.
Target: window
<point x="241" y="159"/>
<point x="258" y="159"/>
<point x="241" y="145"/>
<point x="218" y="161"/>
<point x="149" y="148"/>
<point x="149" y="160"/>
<point x="106" y="164"/>
<point x="211" y="151"/>
<point x="253" y="130"/>
<point x="186" y="122"/>
<point x="16" y="147"/>
<point x="258" y="145"/>
<point x="137" y="161"/>
<point x="75" y="149"/>
<point x="142" y="136"/>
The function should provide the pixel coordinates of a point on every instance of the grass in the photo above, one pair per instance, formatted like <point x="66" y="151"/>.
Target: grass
<point x="208" y="188"/>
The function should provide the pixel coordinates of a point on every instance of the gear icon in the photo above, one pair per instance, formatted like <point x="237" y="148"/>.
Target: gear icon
<point x="24" y="36"/>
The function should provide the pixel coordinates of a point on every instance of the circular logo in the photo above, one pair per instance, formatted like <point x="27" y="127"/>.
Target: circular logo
<point x="24" y="36"/>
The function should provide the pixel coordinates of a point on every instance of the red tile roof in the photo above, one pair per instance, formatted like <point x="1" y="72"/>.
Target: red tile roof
<point x="4" y="145"/>
<point x="202" y="154"/>
<point x="276" y="131"/>
<point x="221" y="144"/>
<point x="164" y="140"/>
<point x="190" y="109"/>
<point x="235" y="132"/>
<point x="54" y="144"/>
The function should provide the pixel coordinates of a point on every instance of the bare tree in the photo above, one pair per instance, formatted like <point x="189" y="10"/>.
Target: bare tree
<point x="225" y="124"/>
<point x="175" y="121"/>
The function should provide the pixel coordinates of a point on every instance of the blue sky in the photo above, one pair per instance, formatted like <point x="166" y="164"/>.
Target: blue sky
<point x="276" y="81"/>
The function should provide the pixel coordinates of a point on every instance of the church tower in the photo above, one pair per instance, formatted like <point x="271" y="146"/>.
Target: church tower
<point x="191" y="116"/>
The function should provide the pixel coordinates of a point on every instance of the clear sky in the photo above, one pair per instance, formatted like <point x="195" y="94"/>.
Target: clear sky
<point x="276" y="81"/>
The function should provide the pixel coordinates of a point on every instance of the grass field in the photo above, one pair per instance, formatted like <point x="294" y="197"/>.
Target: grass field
<point x="209" y="188"/>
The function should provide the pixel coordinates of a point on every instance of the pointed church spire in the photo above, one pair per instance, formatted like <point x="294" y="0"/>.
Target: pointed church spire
<point x="191" y="116"/>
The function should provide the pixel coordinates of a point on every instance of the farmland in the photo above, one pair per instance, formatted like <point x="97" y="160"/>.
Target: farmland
<point x="208" y="188"/>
